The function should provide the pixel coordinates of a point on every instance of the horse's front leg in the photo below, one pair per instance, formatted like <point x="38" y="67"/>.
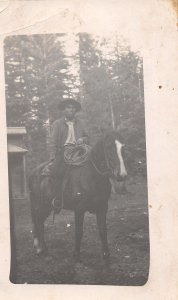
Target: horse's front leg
<point x="79" y="218"/>
<point x="101" y="221"/>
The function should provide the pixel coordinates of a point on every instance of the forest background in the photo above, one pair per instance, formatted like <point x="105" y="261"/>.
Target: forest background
<point x="103" y="73"/>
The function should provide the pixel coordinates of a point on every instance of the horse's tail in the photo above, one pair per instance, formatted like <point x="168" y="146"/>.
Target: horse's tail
<point x="34" y="184"/>
<point x="36" y="175"/>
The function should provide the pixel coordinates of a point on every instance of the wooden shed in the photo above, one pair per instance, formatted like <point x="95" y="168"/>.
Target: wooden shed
<point x="17" y="160"/>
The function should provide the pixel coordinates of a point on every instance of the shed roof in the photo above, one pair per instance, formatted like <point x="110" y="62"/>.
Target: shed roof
<point x="15" y="149"/>
<point x="16" y="130"/>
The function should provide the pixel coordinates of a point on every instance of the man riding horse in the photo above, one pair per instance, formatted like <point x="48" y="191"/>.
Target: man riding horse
<point x="85" y="187"/>
<point x="67" y="131"/>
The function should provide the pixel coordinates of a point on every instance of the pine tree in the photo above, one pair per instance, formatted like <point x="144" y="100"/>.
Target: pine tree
<point x="35" y="73"/>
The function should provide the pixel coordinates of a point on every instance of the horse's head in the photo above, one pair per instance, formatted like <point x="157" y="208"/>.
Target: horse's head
<point x="113" y="154"/>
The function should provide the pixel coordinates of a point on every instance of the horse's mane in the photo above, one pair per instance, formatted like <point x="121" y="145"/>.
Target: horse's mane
<point x="97" y="154"/>
<point x="97" y="150"/>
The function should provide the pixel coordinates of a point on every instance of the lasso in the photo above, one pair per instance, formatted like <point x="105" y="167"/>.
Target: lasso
<point x="76" y="155"/>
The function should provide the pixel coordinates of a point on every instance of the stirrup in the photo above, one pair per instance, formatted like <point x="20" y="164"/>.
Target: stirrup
<point x="56" y="208"/>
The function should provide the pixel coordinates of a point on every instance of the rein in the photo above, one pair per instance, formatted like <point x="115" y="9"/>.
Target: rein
<point x="98" y="171"/>
<point x="107" y="165"/>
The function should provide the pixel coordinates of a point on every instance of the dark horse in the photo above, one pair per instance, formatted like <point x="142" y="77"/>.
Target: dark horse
<point x="87" y="188"/>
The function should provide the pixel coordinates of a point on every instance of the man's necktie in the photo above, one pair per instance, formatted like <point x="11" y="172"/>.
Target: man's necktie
<point x="71" y="134"/>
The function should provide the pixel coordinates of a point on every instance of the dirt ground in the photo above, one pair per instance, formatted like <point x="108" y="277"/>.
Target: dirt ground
<point x="128" y="238"/>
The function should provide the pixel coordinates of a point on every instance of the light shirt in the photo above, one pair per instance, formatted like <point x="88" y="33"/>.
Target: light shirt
<point x="71" y="134"/>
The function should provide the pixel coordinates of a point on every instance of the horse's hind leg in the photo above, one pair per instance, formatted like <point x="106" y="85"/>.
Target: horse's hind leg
<point x="37" y="239"/>
<point x="79" y="217"/>
<point x="38" y="233"/>
<point x="38" y="227"/>
<point x="101" y="221"/>
<point x="39" y="213"/>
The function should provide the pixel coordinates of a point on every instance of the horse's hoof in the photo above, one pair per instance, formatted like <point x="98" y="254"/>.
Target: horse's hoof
<point x="39" y="251"/>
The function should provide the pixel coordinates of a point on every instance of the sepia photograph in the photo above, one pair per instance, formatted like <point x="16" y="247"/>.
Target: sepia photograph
<point x="76" y="159"/>
<point x="89" y="143"/>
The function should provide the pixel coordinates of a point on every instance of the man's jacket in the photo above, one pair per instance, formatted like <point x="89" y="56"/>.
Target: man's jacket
<point x="59" y="135"/>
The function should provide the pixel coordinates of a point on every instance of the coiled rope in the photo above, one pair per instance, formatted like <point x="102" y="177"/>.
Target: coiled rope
<point x="76" y="155"/>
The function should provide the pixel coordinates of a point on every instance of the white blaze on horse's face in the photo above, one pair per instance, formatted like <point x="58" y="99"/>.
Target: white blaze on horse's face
<point x="123" y="171"/>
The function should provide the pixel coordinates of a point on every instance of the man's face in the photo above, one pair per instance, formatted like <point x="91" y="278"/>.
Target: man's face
<point x="70" y="111"/>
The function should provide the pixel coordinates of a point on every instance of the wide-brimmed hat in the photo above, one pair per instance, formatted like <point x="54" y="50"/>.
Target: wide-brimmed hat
<point x="63" y="103"/>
